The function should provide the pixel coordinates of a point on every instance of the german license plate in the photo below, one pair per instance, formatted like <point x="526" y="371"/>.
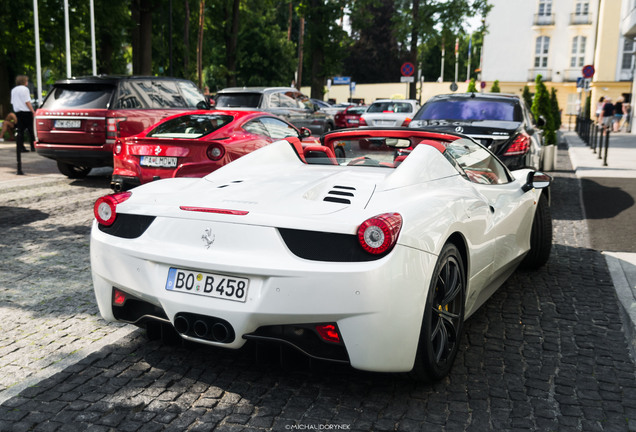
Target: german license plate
<point x="207" y="284"/>
<point x="68" y="124"/>
<point x="158" y="161"/>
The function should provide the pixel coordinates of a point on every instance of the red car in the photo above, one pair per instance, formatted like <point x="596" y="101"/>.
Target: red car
<point x="350" y="116"/>
<point x="196" y="143"/>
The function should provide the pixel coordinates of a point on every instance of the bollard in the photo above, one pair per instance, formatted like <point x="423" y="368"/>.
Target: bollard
<point x="593" y="143"/>
<point x="607" y="138"/>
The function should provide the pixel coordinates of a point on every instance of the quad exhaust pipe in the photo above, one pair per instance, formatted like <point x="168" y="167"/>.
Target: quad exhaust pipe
<point x="204" y="327"/>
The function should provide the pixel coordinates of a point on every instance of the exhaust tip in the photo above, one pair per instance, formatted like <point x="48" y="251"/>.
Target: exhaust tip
<point x="181" y="324"/>
<point x="200" y="328"/>
<point x="220" y="332"/>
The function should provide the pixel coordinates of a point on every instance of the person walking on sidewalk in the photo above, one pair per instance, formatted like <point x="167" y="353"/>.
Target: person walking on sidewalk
<point x="607" y="115"/>
<point x="21" y="101"/>
<point x="618" y="114"/>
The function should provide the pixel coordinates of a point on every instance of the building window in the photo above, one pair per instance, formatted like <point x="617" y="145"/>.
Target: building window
<point x="582" y="7"/>
<point x="628" y="54"/>
<point x="545" y="7"/>
<point x="578" y="51"/>
<point x="541" y="52"/>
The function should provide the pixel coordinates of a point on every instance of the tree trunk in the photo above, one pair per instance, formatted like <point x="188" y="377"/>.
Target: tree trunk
<point x="413" y="54"/>
<point x="301" y="38"/>
<point x="200" y="45"/>
<point x="186" y="39"/>
<point x="232" y="42"/>
<point x="141" y="11"/>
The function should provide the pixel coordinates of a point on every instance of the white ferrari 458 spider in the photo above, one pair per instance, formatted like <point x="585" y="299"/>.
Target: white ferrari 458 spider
<point x="370" y="249"/>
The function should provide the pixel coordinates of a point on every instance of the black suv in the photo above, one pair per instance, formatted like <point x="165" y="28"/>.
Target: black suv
<point x="501" y="122"/>
<point x="81" y="118"/>
<point x="285" y="102"/>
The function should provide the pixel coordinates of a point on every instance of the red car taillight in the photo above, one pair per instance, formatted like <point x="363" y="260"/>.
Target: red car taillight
<point x="519" y="146"/>
<point x="106" y="207"/>
<point x="406" y="122"/>
<point x="215" y="152"/>
<point x="379" y="233"/>
<point x="118" y="147"/>
<point x="112" y="127"/>
<point x="363" y="122"/>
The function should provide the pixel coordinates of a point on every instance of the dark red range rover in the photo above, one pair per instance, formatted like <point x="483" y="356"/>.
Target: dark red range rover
<point x="81" y="118"/>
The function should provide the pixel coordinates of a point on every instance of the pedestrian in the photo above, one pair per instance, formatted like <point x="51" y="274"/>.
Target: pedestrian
<point x="599" y="108"/>
<point x="8" y="125"/>
<point x="607" y="114"/>
<point x="618" y="114"/>
<point x="21" y="101"/>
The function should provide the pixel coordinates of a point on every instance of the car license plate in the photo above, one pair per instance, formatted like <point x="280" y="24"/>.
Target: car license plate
<point x="68" y="124"/>
<point x="158" y="161"/>
<point x="207" y="284"/>
<point x="354" y="121"/>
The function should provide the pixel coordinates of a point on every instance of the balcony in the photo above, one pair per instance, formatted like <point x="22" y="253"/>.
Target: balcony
<point x="546" y="74"/>
<point x="543" y="19"/>
<point x="572" y="74"/>
<point x="580" y="19"/>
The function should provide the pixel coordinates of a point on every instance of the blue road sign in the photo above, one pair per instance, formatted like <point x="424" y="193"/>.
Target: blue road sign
<point x="341" y="80"/>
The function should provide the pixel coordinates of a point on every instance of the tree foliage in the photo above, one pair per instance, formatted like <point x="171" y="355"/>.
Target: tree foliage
<point x="542" y="107"/>
<point x="472" y="87"/>
<point x="495" y="87"/>
<point x="244" y="42"/>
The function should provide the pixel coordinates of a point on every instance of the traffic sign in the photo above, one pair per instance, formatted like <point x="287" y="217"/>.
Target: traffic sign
<point x="588" y="71"/>
<point x="407" y="79"/>
<point x="407" y="69"/>
<point x="341" y="80"/>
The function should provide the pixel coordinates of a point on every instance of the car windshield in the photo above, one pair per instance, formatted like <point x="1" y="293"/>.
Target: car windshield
<point x="394" y="107"/>
<point x="357" y="110"/>
<point x="370" y="151"/>
<point x="190" y="126"/>
<point x="246" y="100"/>
<point x="471" y="110"/>
<point x="79" y="96"/>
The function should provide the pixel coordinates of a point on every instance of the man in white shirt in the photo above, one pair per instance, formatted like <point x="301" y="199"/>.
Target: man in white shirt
<point x="21" y="101"/>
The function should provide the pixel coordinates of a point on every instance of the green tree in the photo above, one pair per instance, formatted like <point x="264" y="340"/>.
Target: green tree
<point x="495" y="87"/>
<point x="527" y="96"/>
<point x="556" y="111"/>
<point x="472" y="88"/>
<point x="541" y="107"/>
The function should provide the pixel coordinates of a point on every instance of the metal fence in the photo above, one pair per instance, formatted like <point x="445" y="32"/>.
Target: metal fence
<point x="595" y="136"/>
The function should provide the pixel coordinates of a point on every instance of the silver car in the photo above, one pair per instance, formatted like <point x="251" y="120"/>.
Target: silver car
<point x="285" y="102"/>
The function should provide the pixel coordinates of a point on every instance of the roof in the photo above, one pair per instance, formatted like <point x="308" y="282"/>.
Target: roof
<point x="113" y="79"/>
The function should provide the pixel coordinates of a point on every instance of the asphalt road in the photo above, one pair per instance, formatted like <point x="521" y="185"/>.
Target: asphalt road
<point x="546" y="353"/>
<point x="611" y="213"/>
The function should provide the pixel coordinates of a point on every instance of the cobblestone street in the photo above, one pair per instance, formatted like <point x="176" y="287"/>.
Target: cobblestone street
<point x="547" y="352"/>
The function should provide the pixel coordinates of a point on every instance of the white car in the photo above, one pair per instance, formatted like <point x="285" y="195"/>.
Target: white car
<point x="390" y="113"/>
<point x="374" y="258"/>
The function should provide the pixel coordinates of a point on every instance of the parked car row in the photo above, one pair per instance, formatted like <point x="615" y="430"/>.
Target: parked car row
<point x="148" y="128"/>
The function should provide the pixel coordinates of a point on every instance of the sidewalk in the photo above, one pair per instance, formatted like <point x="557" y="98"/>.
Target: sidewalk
<point x="621" y="164"/>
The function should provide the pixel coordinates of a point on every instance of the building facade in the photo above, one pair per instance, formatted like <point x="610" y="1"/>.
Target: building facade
<point x="556" y="39"/>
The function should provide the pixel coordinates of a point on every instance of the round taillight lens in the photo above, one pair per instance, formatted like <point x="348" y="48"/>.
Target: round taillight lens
<point x="216" y="152"/>
<point x="106" y="207"/>
<point x="379" y="234"/>
<point x="118" y="147"/>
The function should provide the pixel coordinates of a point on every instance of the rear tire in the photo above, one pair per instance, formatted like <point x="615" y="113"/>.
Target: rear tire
<point x="540" y="236"/>
<point x="443" y="321"/>
<point x="73" y="171"/>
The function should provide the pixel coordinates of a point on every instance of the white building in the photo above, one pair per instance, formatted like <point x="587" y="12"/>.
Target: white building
<point x="556" y="39"/>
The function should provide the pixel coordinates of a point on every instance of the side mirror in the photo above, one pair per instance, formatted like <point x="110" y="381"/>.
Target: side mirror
<point x="203" y="105"/>
<point x="536" y="180"/>
<point x="541" y="121"/>
<point x="304" y="132"/>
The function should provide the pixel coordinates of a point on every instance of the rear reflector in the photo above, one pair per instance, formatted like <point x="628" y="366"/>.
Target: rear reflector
<point x="214" y="210"/>
<point x="328" y="332"/>
<point x="119" y="297"/>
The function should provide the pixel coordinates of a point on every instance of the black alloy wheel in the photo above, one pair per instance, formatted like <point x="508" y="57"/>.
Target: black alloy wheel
<point x="443" y="322"/>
